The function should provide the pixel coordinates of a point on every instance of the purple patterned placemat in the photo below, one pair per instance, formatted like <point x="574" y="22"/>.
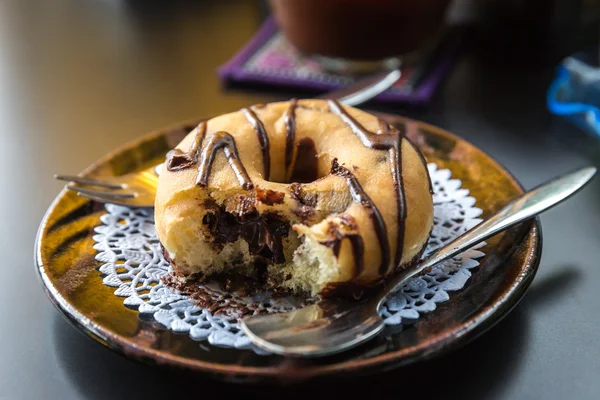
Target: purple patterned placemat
<point x="269" y="59"/>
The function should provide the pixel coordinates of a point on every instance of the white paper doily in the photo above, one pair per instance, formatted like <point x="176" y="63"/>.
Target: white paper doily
<point x="134" y="264"/>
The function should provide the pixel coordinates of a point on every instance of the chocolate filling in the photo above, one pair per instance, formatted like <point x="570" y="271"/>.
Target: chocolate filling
<point x="263" y="233"/>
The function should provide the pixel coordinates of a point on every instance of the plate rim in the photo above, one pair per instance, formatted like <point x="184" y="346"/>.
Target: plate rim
<point x="477" y="324"/>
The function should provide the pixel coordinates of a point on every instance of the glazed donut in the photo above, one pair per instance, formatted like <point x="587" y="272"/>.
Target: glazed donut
<point x="307" y="196"/>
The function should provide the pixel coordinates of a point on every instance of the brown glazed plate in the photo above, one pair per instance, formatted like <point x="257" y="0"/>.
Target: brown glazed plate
<point x="69" y="273"/>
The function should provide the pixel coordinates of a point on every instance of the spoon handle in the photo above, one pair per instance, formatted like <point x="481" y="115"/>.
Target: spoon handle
<point x="364" y="89"/>
<point x="524" y="207"/>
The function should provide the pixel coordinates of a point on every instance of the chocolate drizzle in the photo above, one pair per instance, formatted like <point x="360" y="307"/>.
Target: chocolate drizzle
<point x="222" y="140"/>
<point x="383" y="141"/>
<point x="386" y="139"/>
<point x="177" y="160"/>
<point x="359" y="196"/>
<point x="263" y="139"/>
<point x="396" y="168"/>
<point x="290" y="126"/>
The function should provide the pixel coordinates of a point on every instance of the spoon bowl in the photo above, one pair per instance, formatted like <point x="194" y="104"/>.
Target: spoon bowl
<point x="318" y="330"/>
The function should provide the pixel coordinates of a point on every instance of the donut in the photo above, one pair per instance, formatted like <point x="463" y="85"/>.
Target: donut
<point x="305" y="196"/>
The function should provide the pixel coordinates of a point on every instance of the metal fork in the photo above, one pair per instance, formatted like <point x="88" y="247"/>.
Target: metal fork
<point x="138" y="189"/>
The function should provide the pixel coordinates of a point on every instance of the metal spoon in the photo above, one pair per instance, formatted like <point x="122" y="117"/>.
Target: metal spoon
<point x="335" y="325"/>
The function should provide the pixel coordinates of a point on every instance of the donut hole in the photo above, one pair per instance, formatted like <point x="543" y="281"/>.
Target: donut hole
<point x="306" y="165"/>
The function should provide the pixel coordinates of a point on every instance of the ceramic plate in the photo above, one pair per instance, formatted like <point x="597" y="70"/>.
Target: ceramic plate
<point x="69" y="273"/>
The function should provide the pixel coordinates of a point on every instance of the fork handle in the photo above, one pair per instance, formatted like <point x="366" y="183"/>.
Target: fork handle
<point x="528" y="205"/>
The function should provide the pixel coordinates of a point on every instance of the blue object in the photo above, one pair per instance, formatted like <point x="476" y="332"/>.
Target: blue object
<point x="575" y="92"/>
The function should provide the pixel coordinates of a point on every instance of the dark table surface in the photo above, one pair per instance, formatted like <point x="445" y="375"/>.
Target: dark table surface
<point x="80" y="78"/>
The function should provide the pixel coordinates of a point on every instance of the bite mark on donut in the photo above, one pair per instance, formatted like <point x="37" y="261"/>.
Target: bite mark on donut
<point x="305" y="213"/>
<point x="264" y="233"/>
<point x="346" y="228"/>
<point x="303" y="197"/>
<point x="308" y="202"/>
